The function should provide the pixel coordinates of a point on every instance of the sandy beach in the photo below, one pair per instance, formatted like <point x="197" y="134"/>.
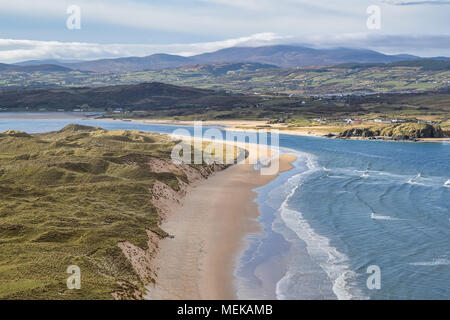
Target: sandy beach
<point x="208" y="235"/>
<point x="256" y="125"/>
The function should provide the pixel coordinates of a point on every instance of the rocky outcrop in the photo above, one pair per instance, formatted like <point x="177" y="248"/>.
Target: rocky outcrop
<point x="405" y="131"/>
<point x="357" y="132"/>
<point x="412" y="131"/>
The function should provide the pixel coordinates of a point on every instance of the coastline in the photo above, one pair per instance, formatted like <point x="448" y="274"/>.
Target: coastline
<point x="228" y="125"/>
<point x="209" y="234"/>
<point x="427" y="155"/>
<point x="42" y="115"/>
<point x="240" y="125"/>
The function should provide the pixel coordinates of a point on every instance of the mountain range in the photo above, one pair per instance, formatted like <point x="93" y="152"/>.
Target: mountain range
<point x="284" y="56"/>
<point x="33" y="68"/>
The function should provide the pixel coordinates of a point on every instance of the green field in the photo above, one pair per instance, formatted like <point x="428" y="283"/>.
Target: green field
<point x="250" y="79"/>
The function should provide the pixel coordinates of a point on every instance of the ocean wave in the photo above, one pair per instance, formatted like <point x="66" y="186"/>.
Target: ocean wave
<point x="389" y="178"/>
<point x="336" y="177"/>
<point x="333" y="262"/>
<point x="375" y="216"/>
<point x="436" y="262"/>
<point x="414" y="180"/>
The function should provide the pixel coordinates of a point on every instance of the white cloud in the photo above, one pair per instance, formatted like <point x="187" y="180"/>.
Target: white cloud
<point x="120" y="13"/>
<point x="329" y="22"/>
<point x="416" y="2"/>
<point x="19" y="50"/>
<point x="244" y="4"/>
<point x="199" y="17"/>
<point x="418" y="44"/>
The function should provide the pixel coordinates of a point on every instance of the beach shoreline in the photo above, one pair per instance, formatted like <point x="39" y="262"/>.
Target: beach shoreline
<point x="228" y="125"/>
<point x="249" y="126"/>
<point x="43" y="115"/>
<point x="209" y="233"/>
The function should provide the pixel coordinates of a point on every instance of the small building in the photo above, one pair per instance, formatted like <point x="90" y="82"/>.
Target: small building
<point x="398" y="120"/>
<point x="382" y="121"/>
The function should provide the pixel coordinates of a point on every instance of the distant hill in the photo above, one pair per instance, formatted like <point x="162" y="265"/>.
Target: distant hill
<point x="284" y="56"/>
<point x="33" y="68"/>
<point x="279" y="55"/>
<point x="296" y="56"/>
<point x="145" y="96"/>
<point x="132" y="64"/>
<point x="220" y="69"/>
<point x="48" y="61"/>
<point x="424" y="64"/>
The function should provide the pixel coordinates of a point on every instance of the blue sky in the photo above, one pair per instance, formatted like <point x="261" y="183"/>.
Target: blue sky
<point x="37" y="29"/>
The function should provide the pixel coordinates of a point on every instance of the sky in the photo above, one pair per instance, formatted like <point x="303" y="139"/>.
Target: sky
<point x="38" y="29"/>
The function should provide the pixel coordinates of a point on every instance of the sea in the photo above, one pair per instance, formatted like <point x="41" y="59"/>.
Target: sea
<point x="352" y="220"/>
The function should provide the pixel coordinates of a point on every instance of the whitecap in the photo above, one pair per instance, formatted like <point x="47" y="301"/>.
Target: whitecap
<point x="375" y="216"/>
<point x="333" y="262"/>
<point x="436" y="262"/>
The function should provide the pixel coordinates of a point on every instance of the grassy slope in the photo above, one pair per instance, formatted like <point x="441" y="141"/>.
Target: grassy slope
<point x="249" y="78"/>
<point x="68" y="198"/>
<point x="144" y="96"/>
<point x="425" y="106"/>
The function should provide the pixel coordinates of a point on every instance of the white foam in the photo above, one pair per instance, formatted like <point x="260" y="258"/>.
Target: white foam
<point x="415" y="180"/>
<point x="436" y="262"/>
<point x="375" y="216"/>
<point x="333" y="262"/>
<point x="390" y="178"/>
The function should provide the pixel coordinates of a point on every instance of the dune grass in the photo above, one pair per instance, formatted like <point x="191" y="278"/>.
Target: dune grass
<point x="67" y="198"/>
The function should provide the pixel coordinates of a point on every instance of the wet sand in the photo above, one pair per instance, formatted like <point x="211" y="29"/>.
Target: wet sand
<point x="209" y="231"/>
